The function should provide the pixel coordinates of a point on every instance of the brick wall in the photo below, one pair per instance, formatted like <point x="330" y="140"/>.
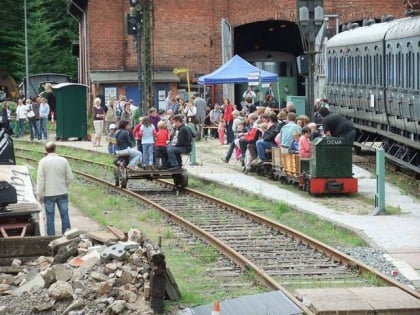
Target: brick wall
<point x="187" y="33"/>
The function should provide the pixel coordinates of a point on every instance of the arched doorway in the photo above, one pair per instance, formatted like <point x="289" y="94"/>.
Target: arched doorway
<point x="272" y="46"/>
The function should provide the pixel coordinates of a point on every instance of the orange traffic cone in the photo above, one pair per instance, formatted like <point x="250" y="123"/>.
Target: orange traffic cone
<point x="216" y="308"/>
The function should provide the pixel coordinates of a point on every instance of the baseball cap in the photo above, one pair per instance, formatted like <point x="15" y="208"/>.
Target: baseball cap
<point x="112" y="126"/>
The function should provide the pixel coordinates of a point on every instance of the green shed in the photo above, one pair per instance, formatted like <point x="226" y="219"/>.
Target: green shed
<point x="71" y="111"/>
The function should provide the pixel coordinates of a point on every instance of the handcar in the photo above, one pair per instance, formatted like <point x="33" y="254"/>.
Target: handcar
<point x="122" y="174"/>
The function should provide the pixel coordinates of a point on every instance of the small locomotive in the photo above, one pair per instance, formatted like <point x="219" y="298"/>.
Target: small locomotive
<point x="327" y="171"/>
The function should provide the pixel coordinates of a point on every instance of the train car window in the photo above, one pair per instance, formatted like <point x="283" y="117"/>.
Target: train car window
<point x="342" y="72"/>
<point x="366" y="64"/>
<point x="399" y="67"/>
<point x="358" y="67"/>
<point x="335" y="69"/>
<point x="285" y="69"/>
<point x="381" y="71"/>
<point x="349" y="67"/>
<point x="331" y="67"/>
<point x="353" y="70"/>
<point x="389" y="67"/>
<point x="410" y="67"/>
<point x="418" y="67"/>
<point x="377" y="66"/>
<point x="375" y="70"/>
<point x="271" y="66"/>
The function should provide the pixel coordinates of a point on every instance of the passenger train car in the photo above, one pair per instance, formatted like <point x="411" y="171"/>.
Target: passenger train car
<point x="373" y="78"/>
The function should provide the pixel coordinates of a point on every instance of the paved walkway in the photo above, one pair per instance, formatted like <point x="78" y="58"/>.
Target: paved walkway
<point x="399" y="235"/>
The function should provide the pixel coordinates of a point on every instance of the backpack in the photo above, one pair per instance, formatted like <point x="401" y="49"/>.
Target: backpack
<point x="252" y="135"/>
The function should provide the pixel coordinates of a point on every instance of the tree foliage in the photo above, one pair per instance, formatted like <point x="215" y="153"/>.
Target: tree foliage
<point x="50" y="30"/>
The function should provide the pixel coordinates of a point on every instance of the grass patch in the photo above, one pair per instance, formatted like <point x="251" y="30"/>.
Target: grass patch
<point x="391" y="210"/>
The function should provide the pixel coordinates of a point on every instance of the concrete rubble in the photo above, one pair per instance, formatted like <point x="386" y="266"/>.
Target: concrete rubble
<point x="87" y="276"/>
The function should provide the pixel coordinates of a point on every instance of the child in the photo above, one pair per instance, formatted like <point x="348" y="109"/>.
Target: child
<point x="137" y="134"/>
<point x="162" y="139"/>
<point x="262" y="127"/>
<point x="147" y="132"/>
<point x="111" y="134"/>
<point x="304" y="143"/>
<point x="221" y="132"/>
<point x="294" y="145"/>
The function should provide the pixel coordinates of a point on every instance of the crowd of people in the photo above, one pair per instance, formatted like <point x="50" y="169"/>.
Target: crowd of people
<point x="32" y="113"/>
<point x="156" y="139"/>
<point x="263" y="129"/>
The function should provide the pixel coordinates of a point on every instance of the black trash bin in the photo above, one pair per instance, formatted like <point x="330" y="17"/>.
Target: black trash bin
<point x="71" y="111"/>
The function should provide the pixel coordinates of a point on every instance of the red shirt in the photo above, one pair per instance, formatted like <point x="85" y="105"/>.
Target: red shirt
<point x="227" y="115"/>
<point x="162" y="136"/>
<point x="304" y="147"/>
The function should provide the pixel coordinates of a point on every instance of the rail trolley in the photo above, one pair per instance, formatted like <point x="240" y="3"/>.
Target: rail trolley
<point x="122" y="174"/>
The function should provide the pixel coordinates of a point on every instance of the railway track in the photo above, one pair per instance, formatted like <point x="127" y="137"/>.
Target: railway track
<point x="275" y="255"/>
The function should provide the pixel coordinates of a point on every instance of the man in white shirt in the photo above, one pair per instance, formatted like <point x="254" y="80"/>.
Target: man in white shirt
<point x="53" y="178"/>
<point x="250" y="93"/>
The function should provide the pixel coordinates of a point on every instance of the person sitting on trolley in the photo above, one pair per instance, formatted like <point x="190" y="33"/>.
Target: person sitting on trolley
<point x="181" y="142"/>
<point x="124" y="145"/>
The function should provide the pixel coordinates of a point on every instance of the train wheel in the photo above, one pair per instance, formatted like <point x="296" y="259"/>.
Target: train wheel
<point x="117" y="176"/>
<point x="270" y="174"/>
<point x="124" y="178"/>
<point x="185" y="179"/>
<point x="180" y="180"/>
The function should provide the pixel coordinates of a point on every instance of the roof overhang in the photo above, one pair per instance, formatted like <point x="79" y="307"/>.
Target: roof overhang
<point x="109" y="77"/>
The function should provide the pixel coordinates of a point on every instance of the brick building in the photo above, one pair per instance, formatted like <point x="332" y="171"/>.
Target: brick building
<point x="188" y="34"/>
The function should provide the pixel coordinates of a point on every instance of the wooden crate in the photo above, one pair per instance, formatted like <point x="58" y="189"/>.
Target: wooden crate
<point x="276" y="158"/>
<point x="291" y="164"/>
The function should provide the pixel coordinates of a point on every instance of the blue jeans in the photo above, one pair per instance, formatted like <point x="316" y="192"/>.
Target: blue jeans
<point x="147" y="154"/>
<point x="62" y="202"/>
<point x="21" y="128"/>
<point x="34" y="129"/>
<point x="230" y="134"/>
<point x="174" y="153"/>
<point x="261" y="146"/>
<point x="43" y="128"/>
<point x="134" y="156"/>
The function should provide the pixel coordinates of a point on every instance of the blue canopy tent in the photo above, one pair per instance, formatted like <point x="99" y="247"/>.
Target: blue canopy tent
<point x="236" y="70"/>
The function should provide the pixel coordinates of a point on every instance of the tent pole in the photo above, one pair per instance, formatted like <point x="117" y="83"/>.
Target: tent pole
<point x="278" y="93"/>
